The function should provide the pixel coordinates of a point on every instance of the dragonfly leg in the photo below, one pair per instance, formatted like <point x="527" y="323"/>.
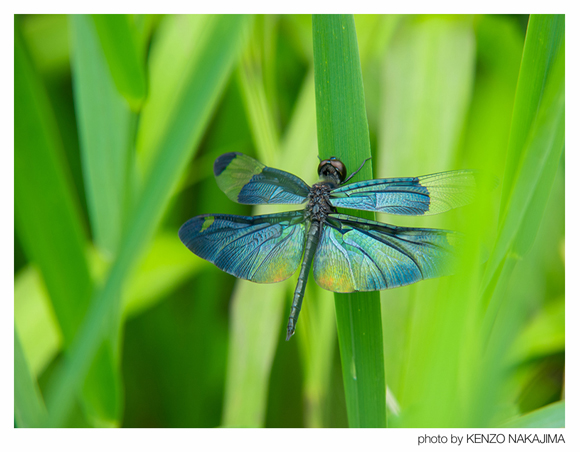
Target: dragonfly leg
<point x="353" y="174"/>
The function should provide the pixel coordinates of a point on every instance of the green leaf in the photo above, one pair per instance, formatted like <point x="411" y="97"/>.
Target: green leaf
<point x="543" y="335"/>
<point x="120" y="43"/>
<point x="427" y="79"/>
<point x="47" y="38"/>
<point x="104" y="122"/>
<point x="317" y="340"/>
<point x="343" y="132"/>
<point x="173" y="60"/>
<point x="537" y="157"/>
<point x="426" y="89"/>
<point x="255" y="313"/>
<point x="258" y="110"/>
<point x="179" y="140"/>
<point x="47" y="215"/>
<point x="550" y="416"/>
<point x="166" y="265"/>
<point x="105" y="125"/>
<point x="29" y="409"/>
<point x="544" y="37"/>
<point x="35" y="320"/>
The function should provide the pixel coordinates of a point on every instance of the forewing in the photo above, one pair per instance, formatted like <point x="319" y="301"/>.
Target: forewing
<point x="425" y="195"/>
<point x="355" y="255"/>
<point x="263" y="249"/>
<point x="247" y="181"/>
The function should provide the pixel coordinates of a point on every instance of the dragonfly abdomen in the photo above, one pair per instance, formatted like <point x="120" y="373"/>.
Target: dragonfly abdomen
<point x="309" y="250"/>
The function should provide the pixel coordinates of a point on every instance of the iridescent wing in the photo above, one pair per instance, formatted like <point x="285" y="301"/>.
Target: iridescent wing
<point x="355" y="254"/>
<point x="247" y="181"/>
<point x="263" y="249"/>
<point x="425" y="195"/>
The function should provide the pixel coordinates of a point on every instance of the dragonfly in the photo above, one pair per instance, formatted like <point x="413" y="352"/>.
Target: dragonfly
<point x="346" y="253"/>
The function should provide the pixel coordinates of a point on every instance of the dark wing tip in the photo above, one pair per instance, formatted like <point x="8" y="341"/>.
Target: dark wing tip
<point x="185" y="231"/>
<point x="191" y="228"/>
<point x="222" y="162"/>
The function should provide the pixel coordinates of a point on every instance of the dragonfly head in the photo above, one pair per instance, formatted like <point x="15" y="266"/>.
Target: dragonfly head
<point x="332" y="170"/>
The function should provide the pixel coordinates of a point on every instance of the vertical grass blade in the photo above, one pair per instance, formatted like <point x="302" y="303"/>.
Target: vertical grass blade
<point x="176" y="146"/>
<point x="29" y="409"/>
<point x="537" y="155"/>
<point x="172" y="59"/>
<point x="428" y="76"/>
<point x="43" y="191"/>
<point x="544" y="37"/>
<point x="104" y="125"/>
<point x="343" y="132"/>
<point x="426" y="86"/>
<point x="120" y="42"/>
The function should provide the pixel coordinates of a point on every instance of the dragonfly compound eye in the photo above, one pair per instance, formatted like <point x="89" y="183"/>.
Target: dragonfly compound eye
<point x="332" y="167"/>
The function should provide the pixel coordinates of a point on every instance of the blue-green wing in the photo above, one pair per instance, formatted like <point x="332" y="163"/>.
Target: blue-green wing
<point x="425" y="195"/>
<point x="358" y="255"/>
<point x="247" y="181"/>
<point x="263" y="249"/>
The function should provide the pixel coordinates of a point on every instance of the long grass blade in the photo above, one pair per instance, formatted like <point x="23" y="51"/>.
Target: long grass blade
<point x="538" y="157"/>
<point x="550" y="416"/>
<point x="165" y="266"/>
<point x="175" y="149"/>
<point x="343" y="132"/>
<point x="43" y="191"/>
<point x="544" y="36"/>
<point x="29" y="409"/>
<point x="172" y="61"/>
<point x="104" y="123"/>
<point x="38" y="329"/>
<point x="427" y="78"/>
<point x="120" y="42"/>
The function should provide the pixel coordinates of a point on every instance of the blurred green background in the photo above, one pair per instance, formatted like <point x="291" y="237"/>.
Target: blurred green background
<point x="117" y="122"/>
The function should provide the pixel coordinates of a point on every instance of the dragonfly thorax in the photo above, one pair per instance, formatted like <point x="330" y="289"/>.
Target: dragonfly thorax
<point x="319" y="205"/>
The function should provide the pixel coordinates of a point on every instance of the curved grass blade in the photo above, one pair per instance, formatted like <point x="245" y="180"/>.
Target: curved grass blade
<point x="104" y="123"/>
<point x="172" y="61"/>
<point x="178" y="142"/>
<point x="35" y="321"/>
<point x="120" y="43"/>
<point x="550" y="416"/>
<point x="47" y="215"/>
<point x="538" y="157"/>
<point x="343" y="132"/>
<point x="544" y="36"/>
<point x="29" y="409"/>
